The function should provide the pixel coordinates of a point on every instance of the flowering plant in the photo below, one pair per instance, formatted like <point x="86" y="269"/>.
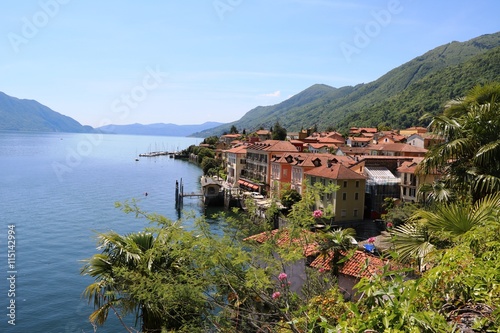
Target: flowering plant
<point x="276" y="294"/>
<point x="371" y="240"/>
<point x="282" y="276"/>
<point x="317" y="214"/>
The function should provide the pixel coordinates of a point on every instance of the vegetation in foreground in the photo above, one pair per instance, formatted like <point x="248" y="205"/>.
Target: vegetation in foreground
<point x="443" y="275"/>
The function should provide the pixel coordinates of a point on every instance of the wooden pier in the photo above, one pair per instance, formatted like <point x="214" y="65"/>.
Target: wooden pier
<point x="213" y="194"/>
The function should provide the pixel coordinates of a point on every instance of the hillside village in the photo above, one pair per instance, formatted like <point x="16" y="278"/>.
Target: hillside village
<point x="369" y="166"/>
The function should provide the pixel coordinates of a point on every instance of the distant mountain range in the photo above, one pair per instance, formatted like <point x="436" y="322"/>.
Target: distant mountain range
<point x="29" y="115"/>
<point x="397" y="99"/>
<point x="158" y="129"/>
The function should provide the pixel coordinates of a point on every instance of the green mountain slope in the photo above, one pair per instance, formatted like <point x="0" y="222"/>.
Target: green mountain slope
<point x="397" y="99"/>
<point x="29" y="115"/>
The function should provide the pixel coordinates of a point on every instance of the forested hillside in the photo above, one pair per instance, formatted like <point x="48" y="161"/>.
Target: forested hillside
<point x="397" y="99"/>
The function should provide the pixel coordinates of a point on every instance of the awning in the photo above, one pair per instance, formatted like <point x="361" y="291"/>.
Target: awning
<point x="380" y="176"/>
<point x="255" y="187"/>
<point x="241" y="181"/>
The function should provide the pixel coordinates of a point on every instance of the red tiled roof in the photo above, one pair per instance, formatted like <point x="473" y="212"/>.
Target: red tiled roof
<point x="360" y="139"/>
<point x="273" y="145"/>
<point x="282" y="238"/>
<point x="360" y="264"/>
<point x="237" y="150"/>
<point x="335" y="171"/>
<point x="410" y="166"/>
<point x="330" y="140"/>
<point x="397" y="147"/>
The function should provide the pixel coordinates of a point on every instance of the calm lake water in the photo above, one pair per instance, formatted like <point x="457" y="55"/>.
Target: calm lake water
<point x="57" y="189"/>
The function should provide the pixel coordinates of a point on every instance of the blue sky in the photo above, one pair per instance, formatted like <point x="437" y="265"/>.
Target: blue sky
<point x="187" y="62"/>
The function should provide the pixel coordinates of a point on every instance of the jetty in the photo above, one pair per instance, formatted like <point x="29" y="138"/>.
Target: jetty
<point x="213" y="192"/>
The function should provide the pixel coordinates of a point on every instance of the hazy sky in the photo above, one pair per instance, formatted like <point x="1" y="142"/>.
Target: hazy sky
<point x="187" y="62"/>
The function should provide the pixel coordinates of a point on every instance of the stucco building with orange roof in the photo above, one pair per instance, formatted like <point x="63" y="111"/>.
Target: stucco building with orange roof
<point x="257" y="173"/>
<point x="235" y="159"/>
<point x="348" y="202"/>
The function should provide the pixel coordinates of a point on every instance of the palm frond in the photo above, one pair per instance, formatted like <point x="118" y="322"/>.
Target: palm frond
<point x="411" y="242"/>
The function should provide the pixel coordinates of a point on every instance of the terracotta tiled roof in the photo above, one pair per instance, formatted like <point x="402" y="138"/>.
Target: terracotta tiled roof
<point x="231" y="135"/>
<point x="330" y="140"/>
<point x="335" y="171"/>
<point x="273" y="145"/>
<point x="363" y="129"/>
<point x="322" y="145"/>
<point x="397" y="147"/>
<point x="282" y="238"/>
<point x="237" y="150"/>
<point x="360" y="264"/>
<point x="410" y="166"/>
<point x="360" y="139"/>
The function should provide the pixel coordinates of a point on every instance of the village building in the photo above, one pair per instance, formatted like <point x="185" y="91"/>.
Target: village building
<point x="228" y="139"/>
<point x="360" y="264"/>
<point x="288" y="170"/>
<point x="385" y="137"/>
<point x="348" y="202"/>
<point x="382" y="180"/>
<point x="257" y="173"/>
<point x="235" y="159"/>
<point x="411" y="180"/>
<point x="358" y="141"/>
<point x="396" y="149"/>
<point x="424" y="140"/>
<point x="263" y="135"/>
<point x="358" y="131"/>
<point x="413" y="130"/>
<point x="320" y="147"/>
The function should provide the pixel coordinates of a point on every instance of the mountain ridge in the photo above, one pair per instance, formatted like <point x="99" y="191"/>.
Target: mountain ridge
<point x="160" y="129"/>
<point x="29" y="115"/>
<point x="346" y="106"/>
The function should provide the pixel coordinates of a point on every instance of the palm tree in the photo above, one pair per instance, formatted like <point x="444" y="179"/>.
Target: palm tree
<point x="428" y="231"/>
<point x="470" y="154"/>
<point x="143" y="274"/>
<point x="436" y="192"/>
<point x="335" y="244"/>
<point x="130" y="251"/>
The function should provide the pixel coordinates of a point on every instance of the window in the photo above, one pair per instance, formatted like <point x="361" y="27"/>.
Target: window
<point x="343" y="213"/>
<point x="344" y="196"/>
<point x="345" y="183"/>
<point x="357" y="183"/>
<point x="356" y="196"/>
<point x="355" y="213"/>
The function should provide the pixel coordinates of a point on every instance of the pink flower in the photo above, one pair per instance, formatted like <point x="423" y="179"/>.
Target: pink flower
<point x="321" y="269"/>
<point x="371" y="240"/>
<point x="317" y="214"/>
<point x="282" y="276"/>
<point x="276" y="294"/>
<point x="389" y="225"/>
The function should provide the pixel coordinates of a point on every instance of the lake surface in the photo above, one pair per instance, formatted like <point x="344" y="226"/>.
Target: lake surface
<point x="56" y="190"/>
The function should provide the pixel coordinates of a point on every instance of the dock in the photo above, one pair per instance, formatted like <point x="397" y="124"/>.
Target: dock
<point x="213" y="193"/>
